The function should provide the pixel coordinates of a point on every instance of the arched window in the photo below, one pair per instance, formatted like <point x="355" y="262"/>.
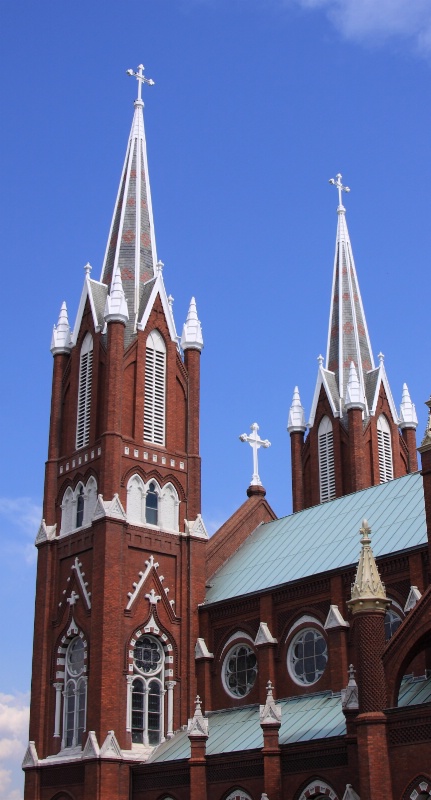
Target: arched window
<point x="326" y="460"/>
<point x="84" y="392"/>
<point x="169" y="505"/>
<point x="147" y="691"/>
<point x="318" y="790"/>
<point x="79" y="507"/>
<point x="155" y="389"/>
<point x="75" y="695"/>
<point x="238" y="794"/>
<point x="239" y="670"/>
<point x="386" y="467"/>
<point x="307" y="656"/>
<point x="393" y="620"/>
<point x="152" y="505"/>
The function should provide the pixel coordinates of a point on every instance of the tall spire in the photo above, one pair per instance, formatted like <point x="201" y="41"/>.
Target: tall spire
<point x="348" y="338"/>
<point x="131" y="243"/>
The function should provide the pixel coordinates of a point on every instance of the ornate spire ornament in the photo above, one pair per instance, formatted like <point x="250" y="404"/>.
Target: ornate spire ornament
<point x="270" y="713"/>
<point x="198" y="724"/>
<point x="408" y="417"/>
<point x="368" y="591"/>
<point x="296" y="420"/>
<point x="61" y="334"/>
<point x="354" y="392"/>
<point x="191" y="337"/>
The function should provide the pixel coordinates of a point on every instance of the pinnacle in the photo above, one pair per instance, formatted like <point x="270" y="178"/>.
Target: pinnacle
<point x="368" y="591"/>
<point x="61" y="335"/>
<point x="116" y="304"/>
<point x="296" y="421"/>
<point x="354" y="392"/>
<point x="408" y="417"/>
<point x="191" y="337"/>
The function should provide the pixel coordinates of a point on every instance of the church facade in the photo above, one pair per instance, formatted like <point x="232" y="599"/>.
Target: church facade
<point x="281" y="659"/>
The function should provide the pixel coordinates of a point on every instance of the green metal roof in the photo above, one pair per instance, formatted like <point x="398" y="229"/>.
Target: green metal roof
<point x="324" y="537"/>
<point x="303" y="719"/>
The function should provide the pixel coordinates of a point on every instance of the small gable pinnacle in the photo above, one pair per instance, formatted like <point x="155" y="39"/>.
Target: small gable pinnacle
<point x="198" y="724"/>
<point x="270" y="713"/>
<point x="296" y="419"/>
<point x="61" y="335"/>
<point x="116" y="304"/>
<point x="354" y="392"/>
<point x="368" y="591"/>
<point x="191" y="337"/>
<point x="408" y="417"/>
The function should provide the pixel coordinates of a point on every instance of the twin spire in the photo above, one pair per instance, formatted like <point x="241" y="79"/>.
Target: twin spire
<point x="131" y="274"/>
<point x="350" y="377"/>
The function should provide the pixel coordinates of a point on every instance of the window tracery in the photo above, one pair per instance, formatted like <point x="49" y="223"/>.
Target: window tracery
<point x="78" y="506"/>
<point x="150" y="504"/>
<point x="239" y="670"/>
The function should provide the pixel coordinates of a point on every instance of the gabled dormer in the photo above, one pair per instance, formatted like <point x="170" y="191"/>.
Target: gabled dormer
<point x="356" y="438"/>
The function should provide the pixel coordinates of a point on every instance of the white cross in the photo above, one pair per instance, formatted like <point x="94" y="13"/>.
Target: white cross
<point x="255" y="442"/>
<point x="153" y="598"/>
<point x="337" y="182"/>
<point x="140" y="77"/>
<point x="73" y="598"/>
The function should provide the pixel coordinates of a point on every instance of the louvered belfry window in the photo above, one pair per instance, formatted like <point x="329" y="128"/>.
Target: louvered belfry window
<point x="84" y="392"/>
<point x="155" y="389"/>
<point x="326" y="460"/>
<point x="386" y="467"/>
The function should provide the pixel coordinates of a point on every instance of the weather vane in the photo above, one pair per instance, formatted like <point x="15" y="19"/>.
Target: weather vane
<point x="337" y="182"/>
<point x="140" y="77"/>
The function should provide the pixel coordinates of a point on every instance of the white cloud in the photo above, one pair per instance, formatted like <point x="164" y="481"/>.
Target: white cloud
<point x="14" y="713"/>
<point x="378" y="20"/>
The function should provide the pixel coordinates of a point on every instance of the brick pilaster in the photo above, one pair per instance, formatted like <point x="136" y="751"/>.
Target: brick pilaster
<point x="192" y="359"/>
<point x="409" y="436"/>
<point x="197" y="765"/>
<point x="356" y="449"/>
<point x="296" y="445"/>
<point x="59" y="366"/>
<point x="111" y="471"/>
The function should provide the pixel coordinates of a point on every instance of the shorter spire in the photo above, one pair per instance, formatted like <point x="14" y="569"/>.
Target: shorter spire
<point x="354" y="392"/>
<point x="408" y="417"/>
<point x="368" y="591"/>
<point x="191" y="337"/>
<point x="116" y="304"/>
<point x="198" y="724"/>
<point x="349" y="695"/>
<point x="270" y="713"/>
<point x="61" y="335"/>
<point x="296" y="420"/>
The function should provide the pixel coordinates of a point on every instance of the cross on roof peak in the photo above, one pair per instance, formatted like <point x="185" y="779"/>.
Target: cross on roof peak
<point x="337" y="182"/>
<point x="255" y="443"/>
<point x="140" y="77"/>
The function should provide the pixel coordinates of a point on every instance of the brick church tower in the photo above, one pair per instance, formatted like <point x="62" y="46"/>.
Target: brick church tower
<point x="356" y="437"/>
<point x="121" y="564"/>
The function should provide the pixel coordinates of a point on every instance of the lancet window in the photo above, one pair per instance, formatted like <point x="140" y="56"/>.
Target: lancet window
<point x="84" y="392"/>
<point x="77" y="507"/>
<point x="384" y="441"/>
<point x="150" y="504"/>
<point x="326" y="460"/>
<point x="147" y="692"/>
<point x="155" y="389"/>
<point x="71" y="718"/>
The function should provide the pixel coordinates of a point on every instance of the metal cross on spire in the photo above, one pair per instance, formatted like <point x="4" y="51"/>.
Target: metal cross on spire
<point x="140" y="77"/>
<point x="255" y="442"/>
<point x="337" y="182"/>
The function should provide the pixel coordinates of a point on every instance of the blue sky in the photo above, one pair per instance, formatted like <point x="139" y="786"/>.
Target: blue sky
<point x="257" y="103"/>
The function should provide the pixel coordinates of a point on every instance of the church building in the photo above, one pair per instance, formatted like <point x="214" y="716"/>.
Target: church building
<point x="280" y="659"/>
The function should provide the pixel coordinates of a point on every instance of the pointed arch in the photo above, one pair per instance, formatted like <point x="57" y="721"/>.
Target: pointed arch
<point x="326" y="460"/>
<point x="135" y="500"/>
<point x="67" y="508"/>
<point x="317" y="789"/>
<point x="84" y="392"/>
<point x="169" y="505"/>
<point x="90" y="499"/>
<point x="155" y="389"/>
<point x="384" y="442"/>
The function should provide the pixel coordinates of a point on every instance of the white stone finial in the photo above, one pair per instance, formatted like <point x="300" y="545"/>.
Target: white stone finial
<point x="368" y="591"/>
<point x="87" y="269"/>
<point x="255" y="443"/>
<point x="61" y="334"/>
<point x="320" y="361"/>
<point x="349" y="695"/>
<point x="296" y="419"/>
<point x="140" y="77"/>
<point x="116" y="309"/>
<point x="159" y="267"/>
<point x="354" y="392"/>
<point x="198" y="725"/>
<point x="191" y="337"/>
<point x="270" y="713"/>
<point x="337" y="182"/>
<point x="381" y="358"/>
<point x="408" y="417"/>
<point x="170" y="301"/>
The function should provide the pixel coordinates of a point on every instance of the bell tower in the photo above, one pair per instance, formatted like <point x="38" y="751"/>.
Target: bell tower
<point x="121" y="547"/>
<point x="356" y="436"/>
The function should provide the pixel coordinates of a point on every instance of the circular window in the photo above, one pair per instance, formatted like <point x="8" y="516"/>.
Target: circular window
<point x="75" y="656"/>
<point x="307" y="656"/>
<point x="392" y="623"/>
<point x="240" y="670"/>
<point x="148" y="655"/>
